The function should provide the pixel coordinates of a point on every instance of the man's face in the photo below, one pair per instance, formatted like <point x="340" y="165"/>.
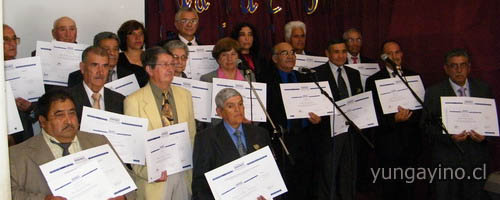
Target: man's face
<point x="61" y="122"/>
<point x="458" y="69"/>
<point x="233" y="112"/>
<point x="187" y="24"/>
<point x="163" y="71"/>
<point x="353" y="42"/>
<point x="180" y="59"/>
<point x="245" y="38"/>
<point x="135" y="40"/>
<point x="111" y="46"/>
<point x="298" y="40"/>
<point x="285" y="57"/>
<point x="394" y="52"/>
<point x="65" y="30"/>
<point x="95" y="71"/>
<point x="337" y="54"/>
<point x="9" y="43"/>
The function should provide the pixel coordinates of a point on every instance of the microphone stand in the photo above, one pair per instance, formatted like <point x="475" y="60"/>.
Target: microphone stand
<point x="426" y="110"/>
<point x="348" y="120"/>
<point x="277" y="131"/>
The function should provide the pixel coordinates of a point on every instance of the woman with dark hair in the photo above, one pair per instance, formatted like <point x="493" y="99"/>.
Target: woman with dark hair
<point x="131" y="34"/>
<point x="247" y="37"/>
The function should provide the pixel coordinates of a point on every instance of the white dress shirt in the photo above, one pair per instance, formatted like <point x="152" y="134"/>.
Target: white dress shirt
<point x="334" y="68"/>
<point x="193" y="42"/>
<point x="89" y="95"/>
<point x="456" y="87"/>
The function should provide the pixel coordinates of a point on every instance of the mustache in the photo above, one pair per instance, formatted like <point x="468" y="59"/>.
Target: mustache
<point x="69" y="126"/>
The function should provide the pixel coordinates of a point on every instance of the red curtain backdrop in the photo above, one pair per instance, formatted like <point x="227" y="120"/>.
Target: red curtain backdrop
<point x="426" y="29"/>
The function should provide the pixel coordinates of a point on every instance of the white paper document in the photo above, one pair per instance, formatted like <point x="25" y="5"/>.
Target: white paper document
<point x="300" y="99"/>
<point x="359" y="108"/>
<point x="125" y="86"/>
<point x="247" y="178"/>
<point x="125" y="133"/>
<point x="200" y="61"/>
<point x="253" y="111"/>
<point x="201" y="93"/>
<point x="365" y="70"/>
<point x="95" y="173"/>
<point x="392" y="92"/>
<point x="309" y="61"/>
<point x="14" y="123"/>
<point x="470" y="113"/>
<point x="58" y="62"/>
<point x="26" y="77"/>
<point x="168" y="148"/>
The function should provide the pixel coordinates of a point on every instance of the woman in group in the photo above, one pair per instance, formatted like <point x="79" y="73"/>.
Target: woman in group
<point x="131" y="34"/>
<point x="247" y="37"/>
<point x="226" y="53"/>
<point x="180" y="52"/>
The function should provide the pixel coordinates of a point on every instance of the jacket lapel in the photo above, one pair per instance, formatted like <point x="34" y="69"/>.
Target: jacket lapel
<point x="251" y="140"/>
<point x="39" y="151"/>
<point x="150" y="110"/>
<point x="225" y="142"/>
<point x="179" y="104"/>
<point x="82" y="94"/>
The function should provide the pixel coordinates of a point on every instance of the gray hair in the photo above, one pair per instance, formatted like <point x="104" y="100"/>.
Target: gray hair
<point x="456" y="53"/>
<point x="290" y="26"/>
<point x="223" y="95"/>
<point x="185" y="9"/>
<point x="176" y="44"/>
<point x="350" y="31"/>
<point x="105" y="35"/>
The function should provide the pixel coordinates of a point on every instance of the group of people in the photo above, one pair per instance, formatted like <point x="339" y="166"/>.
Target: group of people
<point x="323" y="166"/>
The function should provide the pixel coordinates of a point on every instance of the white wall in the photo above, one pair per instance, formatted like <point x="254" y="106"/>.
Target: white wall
<point x="32" y="20"/>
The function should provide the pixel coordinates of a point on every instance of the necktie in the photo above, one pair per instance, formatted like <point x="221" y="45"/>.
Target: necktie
<point x="341" y="85"/>
<point x="64" y="147"/>
<point x="96" y="97"/>
<point x="461" y="92"/>
<point x="239" y="143"/>
<point x="189" y="43"/>
<point x="354" y="60"/>
<point x="110" y="75"/>
<point x="167" y="117"/>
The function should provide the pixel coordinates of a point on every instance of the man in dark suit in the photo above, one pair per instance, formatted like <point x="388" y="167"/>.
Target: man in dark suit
<point x="397" y="138"/>
<point x="109" y="42"/>
<point x="225" y="142"/>
<point x="299" y="133"/>
<point x="444" y="152"/>
<point x="91" y="92"/>
<point x="354" y="43"/>
<point x="337" y="176"/>
<point x="59" y="137"/>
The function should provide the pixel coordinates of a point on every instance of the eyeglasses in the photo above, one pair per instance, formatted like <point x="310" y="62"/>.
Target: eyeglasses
<point x="458" y="65"/>
<point x="351" y="40"/>
<point x="165" y="64"/>
<point x="186" y="21"/>
<point x="17" y="40"/>
<point x="287" y="53"/>
<point x="183" y="57"/>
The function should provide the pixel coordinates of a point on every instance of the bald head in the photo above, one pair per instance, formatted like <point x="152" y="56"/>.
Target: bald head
<point x="10" y="41"/>
<point x="284" y="56"/>
<point x="64" y="30"/>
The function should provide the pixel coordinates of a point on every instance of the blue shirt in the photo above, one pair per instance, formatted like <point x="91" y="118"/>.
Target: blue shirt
<point x="284" y="76"/>
<point x="231" y="130"/>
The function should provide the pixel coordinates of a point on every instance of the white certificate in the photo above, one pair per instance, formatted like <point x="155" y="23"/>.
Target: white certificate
<point x="112" y="176"/>
<point x="470" y="113"/>
<point x="125" y="86"/>
<point x="26" y="77"/>
<point x="125" y="133"/>
<point x="168" y="148"/>
<point x="201" y="93"/>
<point x="309" y="61"/>
<point x="365" y="70"/>
<point x="44" y="51"/>
<point x="359" y="109"/>
<point x="253" y="111"/>
<point x="392" y="92"/>
<point x="300" y="99"/>
<point x="66" y="58"/>
<point x="14" y="124"/>
<point x="248" y="177"/>
<point x="200" y="61"/>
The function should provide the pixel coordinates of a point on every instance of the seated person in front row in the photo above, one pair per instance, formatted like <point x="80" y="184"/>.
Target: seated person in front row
<point x="225" y="142"/>
<point x="59" y="137"/>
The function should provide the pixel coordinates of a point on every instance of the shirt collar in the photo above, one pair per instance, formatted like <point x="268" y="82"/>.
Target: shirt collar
<point x="90" y="92"/>
<point x="284" y="75"/>
<point x="334" y="67"/>
<point x="193" y="42"/>
<point x="48" y="138"/>
<point x="230" y="129"/>
<point x="455" y="86"/>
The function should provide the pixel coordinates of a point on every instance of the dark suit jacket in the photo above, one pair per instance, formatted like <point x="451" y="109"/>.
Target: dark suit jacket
<point x="140" y="72"/>
<point x="113" y="101"/>
<point x="443" y="150"/>
<point x="27" y="181"/>
<point x="213" y="148"/>
<point x="76" y="77"/>
<point x="325" y="73"/>
<point x="394" y="141"/>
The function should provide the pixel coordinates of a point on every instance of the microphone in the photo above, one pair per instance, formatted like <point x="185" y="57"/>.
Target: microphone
<point x="386" y="58"/>
<point x="242" y="66"/>
<point x="304" y="70"/>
